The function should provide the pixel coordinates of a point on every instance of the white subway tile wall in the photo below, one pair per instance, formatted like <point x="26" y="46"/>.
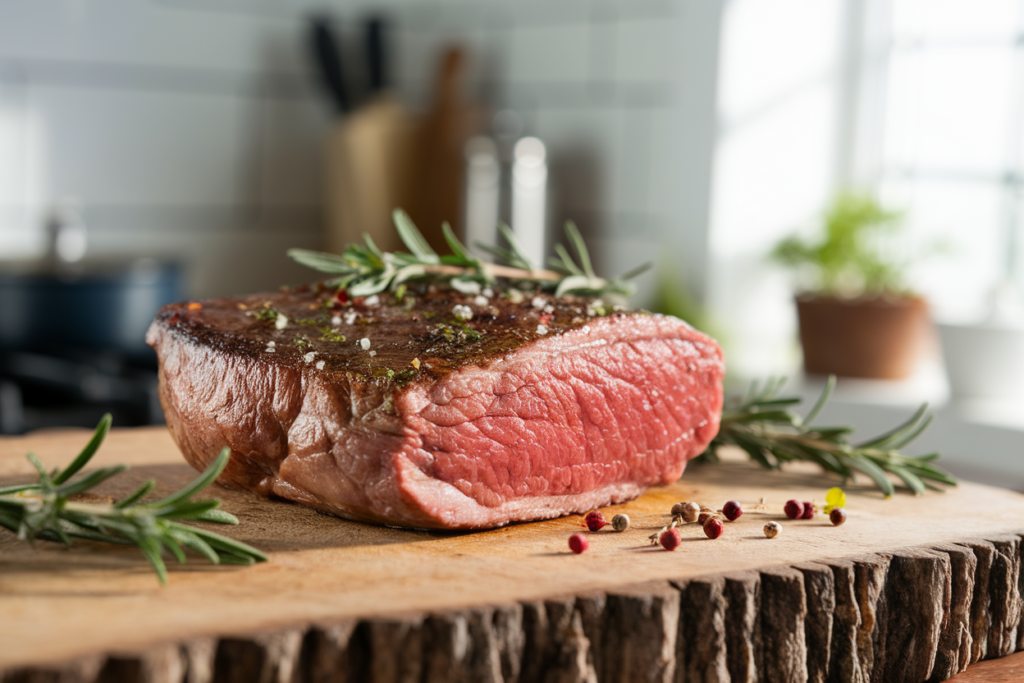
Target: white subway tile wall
<point x="134" y="147"/>
<point x="599" y="83"/>
<point x="642" y="51"/>
<point x="193" y="129"/>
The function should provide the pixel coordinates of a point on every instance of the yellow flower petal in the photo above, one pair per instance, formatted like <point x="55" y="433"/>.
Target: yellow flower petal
<point x="835" y="498"/>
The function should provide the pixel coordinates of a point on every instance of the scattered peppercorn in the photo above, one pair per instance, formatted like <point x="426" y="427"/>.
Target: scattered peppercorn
<point x="620" y="522"/>
<point x="704" y="517"/>
<point x="691" y="511"/>
<point x="732" y="510"/>
<point x="713" y="528"/>
<point x="794" y="509"/>
<point x="677" y="509"/>
<point x="595" y="520"/>
<point x="837" y="516"/>
<point x="808" y="512"/>
<point x="772" y="529"/>
<point x="670" y="539"/>
<point x="578" y="543"/>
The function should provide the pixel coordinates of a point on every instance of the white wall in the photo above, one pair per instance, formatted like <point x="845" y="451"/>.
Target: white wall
<point x="186" y="131"/>
<point x="193" y="128"/>
<point x="623" y="95"/>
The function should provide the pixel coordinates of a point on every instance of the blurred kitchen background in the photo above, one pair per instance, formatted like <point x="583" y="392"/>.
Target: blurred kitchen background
<point x="158" y="150"/>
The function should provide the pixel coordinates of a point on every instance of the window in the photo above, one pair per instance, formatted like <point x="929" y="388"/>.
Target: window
<point x="941" y="89"/>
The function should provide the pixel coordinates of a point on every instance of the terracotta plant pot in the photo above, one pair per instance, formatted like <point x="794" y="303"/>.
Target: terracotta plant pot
<point x="878" y="337"/>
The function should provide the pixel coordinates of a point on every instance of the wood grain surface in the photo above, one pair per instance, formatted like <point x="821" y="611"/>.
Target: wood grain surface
<point x="1009" y="669"/>
<point x="909" y="589"/>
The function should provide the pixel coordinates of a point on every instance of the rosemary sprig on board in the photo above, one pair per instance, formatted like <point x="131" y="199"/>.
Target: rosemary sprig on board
<point x="363" y="269"/>
<point x="47" y="510"/>
<point x="764" y="426"/>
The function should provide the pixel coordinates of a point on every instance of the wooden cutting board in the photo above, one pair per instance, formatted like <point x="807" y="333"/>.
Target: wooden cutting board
<point x="909" y="588"/>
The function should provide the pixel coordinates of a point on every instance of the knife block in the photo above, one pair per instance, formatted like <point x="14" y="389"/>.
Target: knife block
<point x="371" y="170"/>
<point x="383" y="157"/>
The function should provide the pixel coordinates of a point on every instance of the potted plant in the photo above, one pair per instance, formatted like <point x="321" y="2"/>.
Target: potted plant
<point x="858" y="317"/>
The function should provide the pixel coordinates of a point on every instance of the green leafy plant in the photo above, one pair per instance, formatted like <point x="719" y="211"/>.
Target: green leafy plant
<point x="853" y="255"/>
<point x="50" y="510"/>
<point x="363" y="269"/>
<point x="764" y="426"/>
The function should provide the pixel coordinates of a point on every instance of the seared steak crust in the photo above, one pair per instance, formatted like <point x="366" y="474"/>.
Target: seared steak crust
<point x="400" y="412"/>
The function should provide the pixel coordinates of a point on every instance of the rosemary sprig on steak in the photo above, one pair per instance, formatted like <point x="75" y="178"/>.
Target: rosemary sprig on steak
<point x="764" y="426"/>
<point x="364" y="270"/>
<point x="53" y="510"/>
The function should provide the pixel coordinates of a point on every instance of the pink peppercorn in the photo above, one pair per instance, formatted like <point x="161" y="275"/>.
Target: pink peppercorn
<point x="794" y="509"/>
<point x="578" y="543"/>
<point x="595" y="520"/>
<point x="670" y="539"/>
<point x="808" y="510"/>
<point x="732" y="510"/>
<point x="713" y="528"/>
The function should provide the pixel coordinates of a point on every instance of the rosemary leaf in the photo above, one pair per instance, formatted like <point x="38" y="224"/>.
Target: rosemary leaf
<point x="218" y="516"/>
<point x="366" y="270"/>
<point x="413" y="239"/>
<point x="320" y="261"/>
<point x="461" y="255"/>
<point x="909" y="478"/>
<point x="894" y="434"/>
<point x="869" y="468"/>
<point x="516" y="255"/>
<point x="150" y="548"/>
<point x="574" y="283"/>
<point x="45" y="480"/>
<point x="830" y="386"/>
<point x="566" y="262"/>
<point x="581" y="248"/>
<point x="8" y="490"/>
<point x="763" y="426"/>
<point x="46" y="511"/>
<point x="639" y="270"/>
<point x="136" y="495"/>
<point x="205" y="479"/>
<point x="187" y="510"/>
<point x="86" y="455"/>
<point x="175" y="549"/>
<point x="91" y="481"/>
<point x="185" y="537"/>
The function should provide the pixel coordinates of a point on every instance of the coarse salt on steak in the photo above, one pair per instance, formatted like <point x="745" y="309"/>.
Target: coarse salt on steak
<point x="437" y="409"/>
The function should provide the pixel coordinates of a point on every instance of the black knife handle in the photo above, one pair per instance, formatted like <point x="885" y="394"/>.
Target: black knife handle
<point x="376" y="54"/>
<point x="324" y="49"/>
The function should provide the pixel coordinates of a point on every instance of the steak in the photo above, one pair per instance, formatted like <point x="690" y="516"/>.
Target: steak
<point x="434" y="408"/>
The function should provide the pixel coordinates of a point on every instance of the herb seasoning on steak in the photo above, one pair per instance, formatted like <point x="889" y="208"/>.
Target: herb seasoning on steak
<point x="437" y="408"/>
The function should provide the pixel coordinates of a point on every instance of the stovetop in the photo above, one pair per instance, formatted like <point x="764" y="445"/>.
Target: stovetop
<point x="68" y="387"/>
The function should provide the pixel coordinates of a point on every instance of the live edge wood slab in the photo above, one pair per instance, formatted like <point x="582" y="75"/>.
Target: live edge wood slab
<point x="909" y="589"/>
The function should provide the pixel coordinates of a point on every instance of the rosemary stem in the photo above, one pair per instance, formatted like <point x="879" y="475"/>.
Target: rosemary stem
<point x="772" y="435"/>
<point x="495" y="270"/>
<point x="97" y="509"/>
<point x="363" y="269"/>
<point x="45" y="510"/>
